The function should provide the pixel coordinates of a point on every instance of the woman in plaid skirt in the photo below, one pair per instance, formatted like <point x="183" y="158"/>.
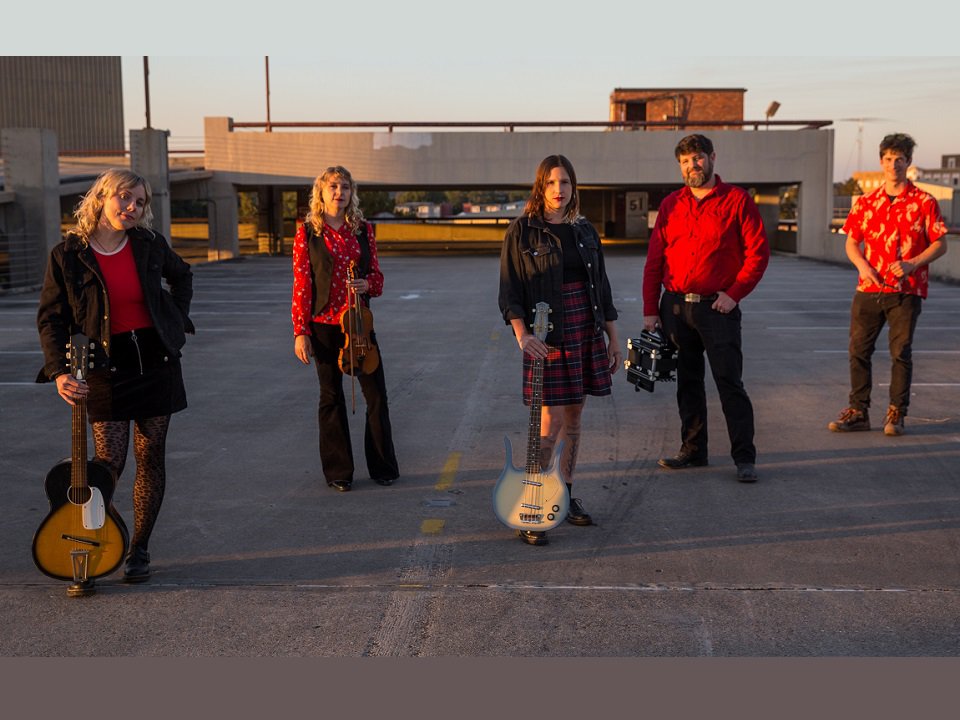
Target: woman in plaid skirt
<point x="552" y="254"/>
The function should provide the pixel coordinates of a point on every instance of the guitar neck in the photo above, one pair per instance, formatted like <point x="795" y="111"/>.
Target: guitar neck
<point x="533" y="431"/>
<point x="78" y="468"/>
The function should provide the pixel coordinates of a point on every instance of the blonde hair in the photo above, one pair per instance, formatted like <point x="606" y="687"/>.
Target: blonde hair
<point x="353" y="216"/>
<point x="535" y="204"/>
<point x="108" y="184"/>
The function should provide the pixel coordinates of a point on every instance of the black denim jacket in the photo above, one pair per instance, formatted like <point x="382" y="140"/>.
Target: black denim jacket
<point x="531" y="271"/>
<point x="74" y="298"/>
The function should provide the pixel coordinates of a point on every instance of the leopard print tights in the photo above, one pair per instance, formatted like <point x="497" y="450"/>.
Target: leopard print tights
<point x="111" y="440"/>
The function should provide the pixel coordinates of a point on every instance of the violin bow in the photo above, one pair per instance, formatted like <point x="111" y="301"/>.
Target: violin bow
<point x="353" y="303"/>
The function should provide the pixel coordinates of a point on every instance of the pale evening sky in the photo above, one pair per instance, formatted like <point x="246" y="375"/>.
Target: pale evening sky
<point x="501" y="60"/>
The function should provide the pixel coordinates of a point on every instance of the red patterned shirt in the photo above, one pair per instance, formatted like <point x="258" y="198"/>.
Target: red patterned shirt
<point x="897" y="230"/>
<point x="344" y="249"/>
<point x="716" y="243"/>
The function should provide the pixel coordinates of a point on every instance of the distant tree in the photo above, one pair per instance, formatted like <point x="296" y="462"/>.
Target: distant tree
<point x="433" y="196"/>
<point x="247" y="209"/>
<point x="376" y="201"/>
<point x="847" y="187"/>
<point x="788" y="202"/>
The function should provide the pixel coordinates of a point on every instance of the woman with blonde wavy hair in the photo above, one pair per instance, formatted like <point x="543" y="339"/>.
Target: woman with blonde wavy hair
<point x="333" y="240"/>
<point x="105" y="280"/>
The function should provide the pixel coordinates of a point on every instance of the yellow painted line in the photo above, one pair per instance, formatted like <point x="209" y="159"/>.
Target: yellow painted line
<point x="449" y="471"/>
<point x="432" y="526"/>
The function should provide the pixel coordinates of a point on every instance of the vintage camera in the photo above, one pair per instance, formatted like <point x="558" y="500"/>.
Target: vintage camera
<point x="651" y="358"/>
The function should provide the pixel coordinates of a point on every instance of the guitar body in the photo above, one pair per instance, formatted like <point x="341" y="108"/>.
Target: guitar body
<point x="83" y="536"/>
<point x="521" y="504"/>
<point x="63" y="530"/>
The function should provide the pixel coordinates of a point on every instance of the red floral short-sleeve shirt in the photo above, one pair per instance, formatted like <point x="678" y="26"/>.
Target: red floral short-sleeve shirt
<point x="892" y="231"/>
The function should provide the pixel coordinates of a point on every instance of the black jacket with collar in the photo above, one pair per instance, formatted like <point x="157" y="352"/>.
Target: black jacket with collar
<point x="74" y="298"/>
<point x="531" y="271"/>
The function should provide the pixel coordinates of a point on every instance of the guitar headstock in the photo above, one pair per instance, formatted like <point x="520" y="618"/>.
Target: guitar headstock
<point x="78" y="352"/>
<point x="541" y="321"/>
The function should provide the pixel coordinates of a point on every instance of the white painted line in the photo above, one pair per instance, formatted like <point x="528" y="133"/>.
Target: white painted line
<point x="916" y="384"/>
<point x="231" y="312"/>
<point x="847" y="327"/>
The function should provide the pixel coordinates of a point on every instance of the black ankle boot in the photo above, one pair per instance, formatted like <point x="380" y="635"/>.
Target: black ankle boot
<point x="137" y="568"/>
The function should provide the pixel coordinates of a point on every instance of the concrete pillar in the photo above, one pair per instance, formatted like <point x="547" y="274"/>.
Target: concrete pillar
<point x="32" y="173"/>
<point x="148" y="157"/>
<point x="222" y="220"/>
<point x="270" y="220"/>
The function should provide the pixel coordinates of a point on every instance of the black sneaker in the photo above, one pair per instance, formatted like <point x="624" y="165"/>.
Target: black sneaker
<point x="533" y="537"/>
<point x="682" y="461"/>
<point x="746" y="472"/>
<point x="137" y="568"/>
<point x="850" y="420"/>
<point x="576" y="515"/>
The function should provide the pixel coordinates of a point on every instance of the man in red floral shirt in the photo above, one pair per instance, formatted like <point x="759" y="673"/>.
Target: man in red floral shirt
<point x="708" y="251"/>
<point x="893" y="234"/>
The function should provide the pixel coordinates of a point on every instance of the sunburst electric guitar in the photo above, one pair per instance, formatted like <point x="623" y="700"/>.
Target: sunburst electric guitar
<point x="83" y="536"/>
<point x="532" y="499"/>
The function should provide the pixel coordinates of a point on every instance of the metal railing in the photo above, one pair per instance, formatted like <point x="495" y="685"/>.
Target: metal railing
<point x="511" y="125"/>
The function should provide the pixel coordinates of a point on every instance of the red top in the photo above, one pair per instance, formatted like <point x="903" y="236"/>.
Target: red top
<point x="344" y="248"/>
<point x="717" y="243"/>
<point x="897" y="230"/>
<point x="128" y="311"/>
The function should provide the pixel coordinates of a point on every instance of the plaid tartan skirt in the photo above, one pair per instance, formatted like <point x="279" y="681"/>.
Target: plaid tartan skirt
<point x="580" y="366"/>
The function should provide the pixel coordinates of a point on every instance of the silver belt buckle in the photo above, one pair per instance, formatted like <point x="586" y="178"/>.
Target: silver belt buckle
<point x="691" y="297"/>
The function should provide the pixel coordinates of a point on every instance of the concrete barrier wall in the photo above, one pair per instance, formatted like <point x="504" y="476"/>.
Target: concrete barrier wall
<point x="509" y="159"/>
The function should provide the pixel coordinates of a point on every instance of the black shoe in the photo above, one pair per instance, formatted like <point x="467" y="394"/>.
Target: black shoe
<point x="746" y="473"/>
<point x="533" y="537"/>
<point x="341" y="485"/>
<point x="137" y="568"/>
<point x="681" y="460"/>
<point x="576" y="515"/>
<point x="386" y="482"/>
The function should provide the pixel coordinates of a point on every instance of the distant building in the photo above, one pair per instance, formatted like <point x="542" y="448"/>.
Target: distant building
<point x="79" y="98"/>
<point x="493" y="209"/>
<point x="945" y="195"/>
<point x="423" y="210"/>
<point x="947" y="174"/>
<point x="870" y="180"/>
<point x="678" y="105"/>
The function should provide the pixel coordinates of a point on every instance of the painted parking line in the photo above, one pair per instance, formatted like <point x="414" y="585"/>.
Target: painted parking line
<point x="434" y="526"/>
<point x="449" y="472"/>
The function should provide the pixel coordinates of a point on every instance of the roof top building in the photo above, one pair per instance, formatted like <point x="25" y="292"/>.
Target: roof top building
<point x="79" y="98"/>
<point x="674" y="106"/>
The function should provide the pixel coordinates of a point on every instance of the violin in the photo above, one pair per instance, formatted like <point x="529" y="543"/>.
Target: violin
<point x="358" y="356"/>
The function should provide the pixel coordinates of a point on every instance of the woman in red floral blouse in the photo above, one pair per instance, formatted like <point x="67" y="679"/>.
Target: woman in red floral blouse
<point x="333" y="236"/>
